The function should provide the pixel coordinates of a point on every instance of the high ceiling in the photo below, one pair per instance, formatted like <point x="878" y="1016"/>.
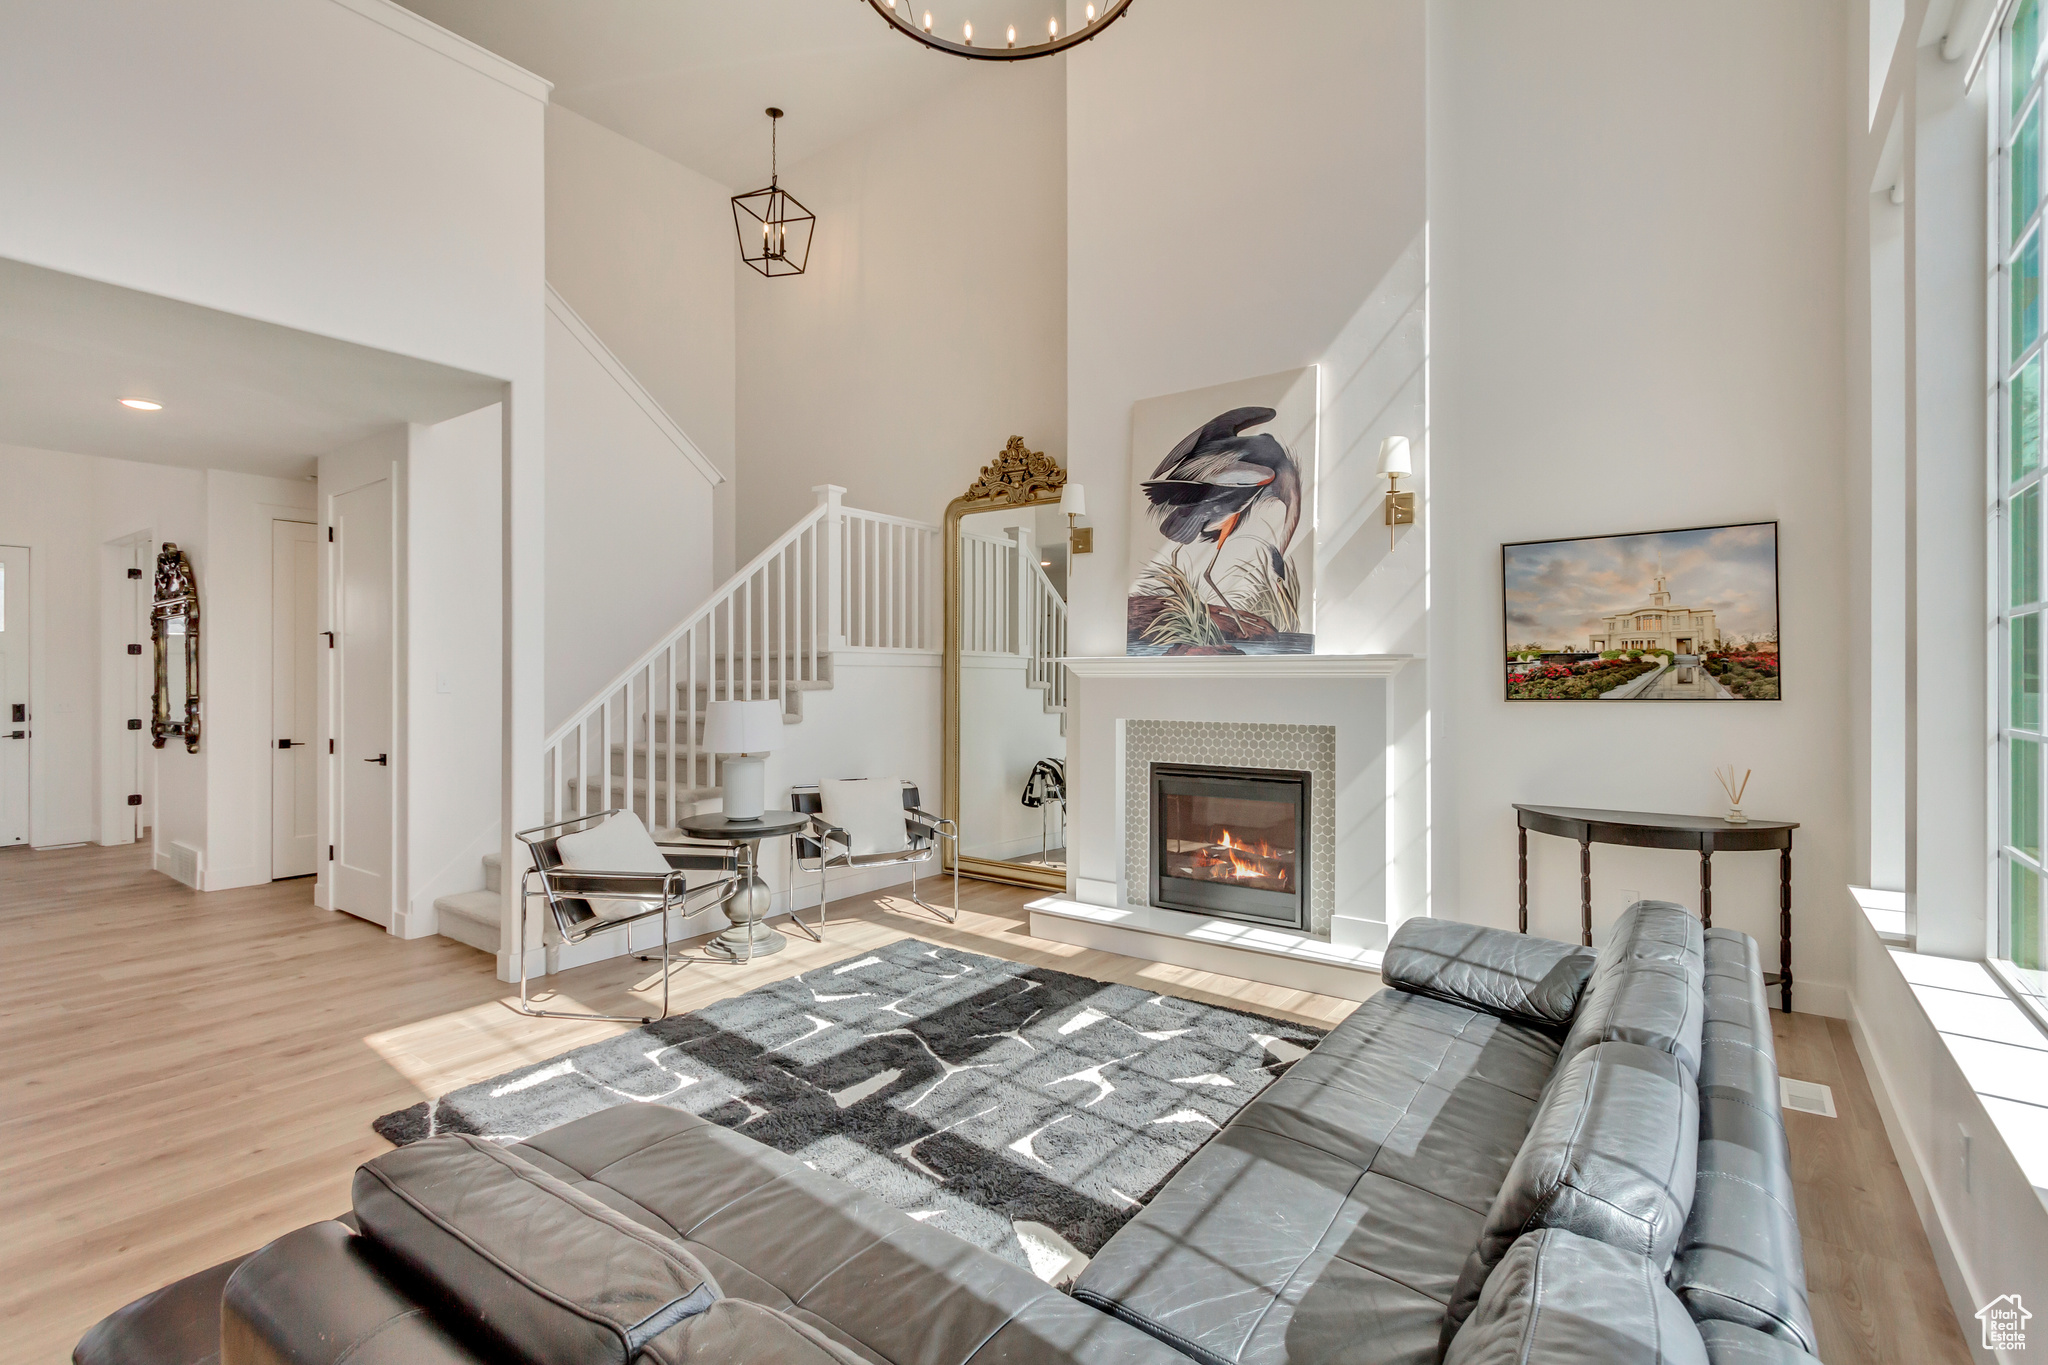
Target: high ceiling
<point x="236" y="394"/>
<point x="689" y="78"/>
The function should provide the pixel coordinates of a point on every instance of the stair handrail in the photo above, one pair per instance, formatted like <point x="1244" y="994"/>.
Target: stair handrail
<point x="792" y="599"/>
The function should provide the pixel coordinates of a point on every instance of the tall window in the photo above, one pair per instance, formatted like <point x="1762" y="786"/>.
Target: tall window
<point x="2017" y="114"/>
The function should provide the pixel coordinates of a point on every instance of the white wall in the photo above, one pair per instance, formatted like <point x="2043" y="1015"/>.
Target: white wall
<point x="453" y="540"/>
<point x="338" y="166"/>
<point x="643" y="249"/>
<point x="1215" y="238"/>
<point x="65" y="508"/>
<point x="930" y="326"/>
<point x="1636" y="324"/>
<point x="629" y="521"/>
<point x="237" y="667"/>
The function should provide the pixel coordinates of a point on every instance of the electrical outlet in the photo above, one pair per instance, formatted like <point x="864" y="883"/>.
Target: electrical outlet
<point x="1629" y="898"/>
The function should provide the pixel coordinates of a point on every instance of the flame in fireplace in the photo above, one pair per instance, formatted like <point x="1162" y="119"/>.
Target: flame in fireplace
<point x="1247" y="861"/>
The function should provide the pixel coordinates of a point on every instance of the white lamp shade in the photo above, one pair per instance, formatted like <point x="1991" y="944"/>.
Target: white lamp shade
<point x="742" y="727"/>
<point x="1074" y="500"/>
<point x="1394" y="456"/>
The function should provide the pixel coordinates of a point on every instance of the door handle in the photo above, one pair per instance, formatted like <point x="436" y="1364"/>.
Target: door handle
<point x="381" y="759"/>
<point x="291" y="744"/>
<point x="18" y="734"/>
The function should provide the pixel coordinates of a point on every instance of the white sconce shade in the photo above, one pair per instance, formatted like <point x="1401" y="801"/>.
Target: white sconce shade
<point x="742" y="727"/>
<point x="1395" y="458"/>
<point x="1074" y="500"/>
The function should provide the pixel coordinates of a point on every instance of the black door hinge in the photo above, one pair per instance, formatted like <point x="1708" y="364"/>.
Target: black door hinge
<point x="330" y="535"/>
<point x="135" y="725"/>
<point x="135" y="573"/>
<point x="135" y="649"/>
<point x="330" y="853"/>
<point x="135" y="798"/>
<point x="330" y="746"/>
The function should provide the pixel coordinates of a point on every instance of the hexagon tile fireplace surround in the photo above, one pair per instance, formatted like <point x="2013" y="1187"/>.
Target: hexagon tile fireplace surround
<point x="1230" y="815"/>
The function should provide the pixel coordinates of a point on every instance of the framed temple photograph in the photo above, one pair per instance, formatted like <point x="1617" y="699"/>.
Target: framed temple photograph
<point x="1689" y="615"/>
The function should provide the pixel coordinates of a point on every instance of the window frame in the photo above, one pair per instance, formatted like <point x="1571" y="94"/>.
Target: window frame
<point x="2008" y="120"/>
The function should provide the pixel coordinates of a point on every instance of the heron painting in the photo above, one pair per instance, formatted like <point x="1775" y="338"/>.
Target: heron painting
<point x="1221" y="524"/>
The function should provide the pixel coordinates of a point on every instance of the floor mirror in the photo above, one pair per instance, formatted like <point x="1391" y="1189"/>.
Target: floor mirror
<point x="1005" y="690"/>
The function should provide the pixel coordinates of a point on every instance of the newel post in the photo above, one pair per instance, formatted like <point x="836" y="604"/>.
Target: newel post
<point x="832" y="498"/>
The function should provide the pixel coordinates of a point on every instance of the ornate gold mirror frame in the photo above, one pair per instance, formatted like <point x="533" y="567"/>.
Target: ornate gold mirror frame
<point x="1016" y="478"/>
<point x="174" y="615"/>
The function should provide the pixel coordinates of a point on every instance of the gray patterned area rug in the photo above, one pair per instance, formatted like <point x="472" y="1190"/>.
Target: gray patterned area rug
<point x="1025" y="1110"/>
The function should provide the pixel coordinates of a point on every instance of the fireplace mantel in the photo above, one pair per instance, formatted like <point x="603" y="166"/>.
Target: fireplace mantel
<point x="1249" y="667"/>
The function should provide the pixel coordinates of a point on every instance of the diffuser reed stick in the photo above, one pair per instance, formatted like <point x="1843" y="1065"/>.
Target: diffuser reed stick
<point x="1726" y="777"/>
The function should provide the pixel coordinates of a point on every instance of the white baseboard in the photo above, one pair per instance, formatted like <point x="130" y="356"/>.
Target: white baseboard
<point x="228" y="878"/>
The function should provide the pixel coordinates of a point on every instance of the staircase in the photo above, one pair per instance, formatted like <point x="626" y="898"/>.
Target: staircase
<point x="839" y="580"/>
<point x="1009" y="606"/>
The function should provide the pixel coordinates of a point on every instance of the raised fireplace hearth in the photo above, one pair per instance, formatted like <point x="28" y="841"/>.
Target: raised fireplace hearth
<point x="1231" y="842"/>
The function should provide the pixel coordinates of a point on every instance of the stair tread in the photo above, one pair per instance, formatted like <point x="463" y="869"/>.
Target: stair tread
<point x="476" y="905"/>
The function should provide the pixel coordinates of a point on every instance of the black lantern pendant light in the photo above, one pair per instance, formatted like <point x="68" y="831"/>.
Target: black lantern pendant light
<point x="999" y="40"/>
<point x="774" y="229"/>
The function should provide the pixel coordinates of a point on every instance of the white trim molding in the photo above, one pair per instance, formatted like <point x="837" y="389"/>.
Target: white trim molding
<point x="429" y="34"/>
<point x="1249" y="667"/>
<point x="623" y="377"/>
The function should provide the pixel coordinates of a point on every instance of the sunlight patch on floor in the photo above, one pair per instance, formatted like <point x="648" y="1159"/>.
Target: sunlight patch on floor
<point x="437" y="1054"/>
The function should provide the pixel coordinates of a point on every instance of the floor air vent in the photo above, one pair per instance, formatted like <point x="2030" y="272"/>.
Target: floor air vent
<point x="1808" y="1097"/>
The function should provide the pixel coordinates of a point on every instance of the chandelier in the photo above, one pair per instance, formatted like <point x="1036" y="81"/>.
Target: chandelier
<point x="774" y="229"/>
<point x="998" y="41"/>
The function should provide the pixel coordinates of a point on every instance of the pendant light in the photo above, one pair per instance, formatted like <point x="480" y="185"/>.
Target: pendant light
<point x="1042" y="37"/>
<point x="774" y="229"/>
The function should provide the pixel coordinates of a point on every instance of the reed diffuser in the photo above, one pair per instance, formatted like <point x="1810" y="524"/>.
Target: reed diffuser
<point x="1735" y="788"/>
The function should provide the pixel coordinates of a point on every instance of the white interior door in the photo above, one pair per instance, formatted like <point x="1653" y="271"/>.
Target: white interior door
<point x="364" y="649"/>
<point x="294" y="634"/>
<point x="14" y="716"/>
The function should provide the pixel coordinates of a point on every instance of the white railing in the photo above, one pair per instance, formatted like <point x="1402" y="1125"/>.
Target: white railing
<point x="768" y="632"/>
<point x="887" y="578"/>
<point x="1009" y="606"/>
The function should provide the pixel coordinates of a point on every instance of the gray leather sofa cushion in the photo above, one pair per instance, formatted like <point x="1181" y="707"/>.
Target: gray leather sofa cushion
<point x="1610" y="1155"/>
<point x="1740" y="1259"/>
<point x="1729" y="1344"/>
<point x="1558" y="1298"/>
<point x="1517" y="976"/>
<point x="1330" y="1219"/>
<point x="553" y="1276"/>
<point x="735" y="1332"/>
<point x="835" y="1258"/>
<point x="177" y="1325"/>
<point x="1647" y="986"/>
<point x="321" y="1296"/>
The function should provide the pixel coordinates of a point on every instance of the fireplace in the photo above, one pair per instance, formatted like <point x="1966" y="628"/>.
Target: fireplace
<point x="1231" y="842"/>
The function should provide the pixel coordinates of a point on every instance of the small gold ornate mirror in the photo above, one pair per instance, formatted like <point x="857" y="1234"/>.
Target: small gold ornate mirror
<point x="174" y="618"/>
<point x="1005" y="693"/>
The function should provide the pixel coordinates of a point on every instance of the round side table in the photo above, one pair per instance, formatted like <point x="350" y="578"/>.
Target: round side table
<point x="749" y="904"/>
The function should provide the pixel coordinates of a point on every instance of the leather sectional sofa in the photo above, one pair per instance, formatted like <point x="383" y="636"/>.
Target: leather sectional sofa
<point x="1522" y="1153"/>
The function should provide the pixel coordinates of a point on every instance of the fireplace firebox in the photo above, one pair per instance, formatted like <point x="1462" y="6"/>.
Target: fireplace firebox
<point x="1231" y="842"/>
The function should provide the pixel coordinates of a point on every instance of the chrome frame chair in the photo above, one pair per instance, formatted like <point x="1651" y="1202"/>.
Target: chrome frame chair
<point x="569" y="891"/>
<point x="924" y="829"/>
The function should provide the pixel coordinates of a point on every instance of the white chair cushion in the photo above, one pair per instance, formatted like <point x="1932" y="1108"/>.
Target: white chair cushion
<point x="620" y="844"/>
<point x="870" y="810"/>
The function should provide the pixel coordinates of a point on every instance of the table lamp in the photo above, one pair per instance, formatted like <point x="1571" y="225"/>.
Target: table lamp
<point x="744" y="732"/>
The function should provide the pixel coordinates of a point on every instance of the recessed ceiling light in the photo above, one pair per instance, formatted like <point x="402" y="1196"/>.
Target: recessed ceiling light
<point x="141" y="405"/>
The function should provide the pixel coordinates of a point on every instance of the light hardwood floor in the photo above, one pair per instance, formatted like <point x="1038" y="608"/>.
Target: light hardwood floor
<point x="184" y="1077"/>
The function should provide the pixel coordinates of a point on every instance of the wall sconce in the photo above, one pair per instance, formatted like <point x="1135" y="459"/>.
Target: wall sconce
<point x="1074" y="502"/>
<point x="1396" y="461"/>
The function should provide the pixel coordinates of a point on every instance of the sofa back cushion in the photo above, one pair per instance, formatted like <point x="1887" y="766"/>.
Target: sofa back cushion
<point x="1647" y="986"/>
<point x="546" y="1274"/>
<point x="1516" y="976"/>
<point x="1611" y="1155"/>
<point x="1558" y="1298"/>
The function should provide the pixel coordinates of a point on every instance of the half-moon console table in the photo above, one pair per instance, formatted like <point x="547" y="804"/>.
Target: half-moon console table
<point x="1705" y="834"/>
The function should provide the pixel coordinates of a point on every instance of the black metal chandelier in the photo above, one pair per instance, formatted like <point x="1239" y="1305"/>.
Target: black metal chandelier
<point x="774" y="229"/>
<point x="998" y="42"/>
